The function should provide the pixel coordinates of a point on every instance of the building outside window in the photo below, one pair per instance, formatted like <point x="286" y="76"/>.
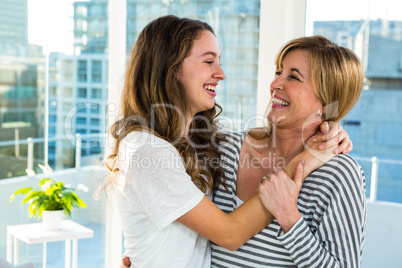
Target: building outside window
<point x="82" y="71"/>
<point x="96" y="93"/>
<point x="81" y="120"/>
<point x="374" y="128"/>
<point x="81" y="92"/>
<point x="96" y="71"/>
<point x="67" y="92"/>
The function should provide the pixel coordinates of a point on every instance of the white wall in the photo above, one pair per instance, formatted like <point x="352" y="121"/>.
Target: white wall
<point x="280" y="22"/>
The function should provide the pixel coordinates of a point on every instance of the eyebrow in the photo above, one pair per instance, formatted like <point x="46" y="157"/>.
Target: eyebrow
<point x="297" y="71"/>
<point x="210" y="53"/>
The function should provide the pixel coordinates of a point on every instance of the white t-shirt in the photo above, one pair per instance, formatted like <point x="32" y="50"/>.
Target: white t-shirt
<point x="154" y="191"/>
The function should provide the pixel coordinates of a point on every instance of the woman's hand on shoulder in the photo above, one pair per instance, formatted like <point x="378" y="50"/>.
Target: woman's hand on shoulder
<point x="331" y="134"/>
<point x="321" y="148"/>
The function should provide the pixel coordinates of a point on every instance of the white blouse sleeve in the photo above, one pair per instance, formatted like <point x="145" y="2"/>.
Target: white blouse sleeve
<point x="154" y="174"/>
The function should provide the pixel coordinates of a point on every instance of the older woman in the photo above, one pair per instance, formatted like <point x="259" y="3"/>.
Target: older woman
<point x="323" y="225"/>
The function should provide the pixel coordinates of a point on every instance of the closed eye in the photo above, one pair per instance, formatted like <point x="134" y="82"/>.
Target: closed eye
<point x="278" y="73"/>
<point x="294" y="77"/>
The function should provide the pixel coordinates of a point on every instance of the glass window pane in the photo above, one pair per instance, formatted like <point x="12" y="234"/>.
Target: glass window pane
<point x="373" y="29"/>
<point x="32" y="32"/>
<point x="81" y="92"/>
<point x="237" y="28"/>
<point x="82" y="71"/>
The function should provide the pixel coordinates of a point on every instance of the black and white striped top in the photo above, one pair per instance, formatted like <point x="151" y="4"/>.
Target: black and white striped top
<point x="330" y="233"/>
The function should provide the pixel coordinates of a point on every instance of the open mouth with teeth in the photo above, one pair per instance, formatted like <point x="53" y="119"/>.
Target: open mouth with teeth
<point x="279" y="102"/>
<point x="210" y="88"/>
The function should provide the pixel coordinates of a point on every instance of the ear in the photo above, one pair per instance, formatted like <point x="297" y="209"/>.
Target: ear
<point x="320" y="111"/>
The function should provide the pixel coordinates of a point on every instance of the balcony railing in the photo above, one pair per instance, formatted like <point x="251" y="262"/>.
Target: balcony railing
<point x="370" y="165"/>
<point x="30" y="150"/>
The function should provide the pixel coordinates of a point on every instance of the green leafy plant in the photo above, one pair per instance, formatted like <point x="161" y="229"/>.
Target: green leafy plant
<point x="51" y="195"/>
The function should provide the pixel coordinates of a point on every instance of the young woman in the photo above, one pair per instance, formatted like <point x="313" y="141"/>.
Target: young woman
<point x="166" y="161"/>
<point x="324" y="225"/>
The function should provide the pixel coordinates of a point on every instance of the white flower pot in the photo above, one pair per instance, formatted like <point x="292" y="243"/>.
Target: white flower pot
<point x="52" y="219"/>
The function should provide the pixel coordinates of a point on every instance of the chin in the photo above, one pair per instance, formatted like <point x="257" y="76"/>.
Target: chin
<point x="276" y="117"/>
<point x="210" y="106"/>
<point x="272" y="119"/>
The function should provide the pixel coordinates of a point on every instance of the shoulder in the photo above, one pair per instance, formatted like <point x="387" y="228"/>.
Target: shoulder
<point x="337" y="187"/>
<point x="142" y="142"/>
<point x="341" y="177"/>
<point x="343" y="165"/>
<point x="342" y="172"/>
<point x="233" y="136"/>
<point x="232" y="142"/>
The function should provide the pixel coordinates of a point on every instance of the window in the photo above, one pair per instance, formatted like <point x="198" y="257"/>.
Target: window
<point x="94" y="122"/>
<point x="10" y="117"/>
<point x="81" y="10"/>
<point x="52" y="118"/>
<point x="96" y="71"/>
<point x="68" y="65"/>
<point x="28" y="117"/>
<point x="81" y="131"/>
<point x="67" y="106"/>
<point x="375" y="34"/>
<point x="81" y="110"/>
<point x="81" y="92"/>
<point x="53" y="106"/>
<point x="82" y="71"/>
<point x="27" y="34"/>
<point x="96" y="93"/>
<point x="67" y="92"/>
<point x="95" y="109"/>
<point x="53" y="91"/>
<point x="28" y="92"/>
<point x="81" y="121"/>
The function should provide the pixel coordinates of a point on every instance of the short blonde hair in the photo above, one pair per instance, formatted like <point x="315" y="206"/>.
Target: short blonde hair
<point x="337" y="73"/>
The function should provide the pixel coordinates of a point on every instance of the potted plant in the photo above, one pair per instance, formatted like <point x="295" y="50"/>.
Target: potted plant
<point x="51" y="200"/>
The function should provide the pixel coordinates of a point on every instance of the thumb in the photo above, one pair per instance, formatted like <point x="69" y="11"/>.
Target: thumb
<point x="299" y="174"/>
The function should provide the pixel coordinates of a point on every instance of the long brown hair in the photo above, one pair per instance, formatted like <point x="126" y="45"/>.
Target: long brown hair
<point x="153" y="99"/>
<point x="337" y="74"/>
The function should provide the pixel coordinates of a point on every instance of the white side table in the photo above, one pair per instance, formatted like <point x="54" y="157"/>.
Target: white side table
<point x="35" y="233"/>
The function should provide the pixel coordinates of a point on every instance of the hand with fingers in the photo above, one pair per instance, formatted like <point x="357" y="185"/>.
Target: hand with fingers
<point x="331" y="134"/>
<point x="279" y="193"/>
<point x="322" y="147"/>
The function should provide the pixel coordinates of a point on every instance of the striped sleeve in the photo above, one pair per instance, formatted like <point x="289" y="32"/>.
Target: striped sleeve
<point x="334" y="236"/>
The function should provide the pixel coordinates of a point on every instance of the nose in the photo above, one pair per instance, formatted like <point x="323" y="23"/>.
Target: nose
<point x="277" y="83"/>
<point x="219" y="73"/>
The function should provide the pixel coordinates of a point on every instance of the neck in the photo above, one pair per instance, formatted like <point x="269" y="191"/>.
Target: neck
<point x="289" y="142"/>
<point x="186" y="128"/>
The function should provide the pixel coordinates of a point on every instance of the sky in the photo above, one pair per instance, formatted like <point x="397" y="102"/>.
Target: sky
<point x="51" y="21"/>
<point x="51" y="24"/>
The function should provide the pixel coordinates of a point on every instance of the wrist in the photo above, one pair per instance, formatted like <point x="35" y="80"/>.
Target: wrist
<point x="290" y="167"/>
<point x="289" y="220"/>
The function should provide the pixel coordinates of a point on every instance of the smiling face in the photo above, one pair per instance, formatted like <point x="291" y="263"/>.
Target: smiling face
<point x="293" y="99"/>
<point x="200" y="74"/>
